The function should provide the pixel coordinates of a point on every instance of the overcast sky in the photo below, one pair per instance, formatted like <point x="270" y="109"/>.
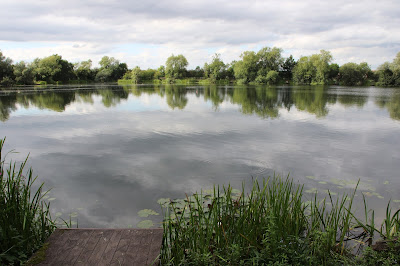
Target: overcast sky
<point x="145" y="33"/>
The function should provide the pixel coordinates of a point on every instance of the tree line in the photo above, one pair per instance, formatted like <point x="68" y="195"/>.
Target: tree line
<point x="267" y="66"/>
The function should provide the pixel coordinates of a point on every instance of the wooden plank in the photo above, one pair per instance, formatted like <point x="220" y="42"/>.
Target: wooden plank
<point x="89" y="247"/>
<point x="101" y="246"/>
<point x="57" y="246"/>
<point x="155" y="247"/>
<point x="119" y="255"/>
<point x="74" y="253"/>
<point x="137" y="249"/>
<point x="111" y="248"/>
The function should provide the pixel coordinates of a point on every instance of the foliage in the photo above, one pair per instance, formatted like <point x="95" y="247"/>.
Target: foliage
<point x="287" y="68"/>
<point x="270" y="225"/>
<point x="175" y="66"/>
<point x="53" y="69"/>
<point x="313" y="69"/>
<point x="83" y="71"/>
<point x="351" y="74"/>
<point x="110" y="69"/>
<point x="216" y="69"/>
<point x="389" y="73"/>
<point x="24" y="73"/>
<point x="6" y="71"/>
<point x="25" y="221"/>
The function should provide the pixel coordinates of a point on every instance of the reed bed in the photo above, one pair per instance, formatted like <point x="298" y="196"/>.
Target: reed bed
<point x="25" y="221"/>
<point x="272" y="225"/>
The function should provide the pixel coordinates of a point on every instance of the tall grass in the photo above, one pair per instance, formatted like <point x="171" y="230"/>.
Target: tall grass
<point x="272" y="224"/>
<point x="25" y="221"/>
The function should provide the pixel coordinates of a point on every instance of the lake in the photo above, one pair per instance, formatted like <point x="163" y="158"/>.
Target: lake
<point x="108" y="152"/>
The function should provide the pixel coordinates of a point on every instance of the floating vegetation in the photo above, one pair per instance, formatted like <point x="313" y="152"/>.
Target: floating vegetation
<point x="386" y="183"/>
<point x="145" y="224"/>
<point x="323" y="182"/>
<point x="163" y="201"/>
<point x="311" y="177"/>
<point x="147" y="212"/>
<point x="311" y="190"/>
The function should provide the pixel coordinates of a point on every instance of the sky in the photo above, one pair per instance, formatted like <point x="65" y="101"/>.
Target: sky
<point x="146" y="33"/>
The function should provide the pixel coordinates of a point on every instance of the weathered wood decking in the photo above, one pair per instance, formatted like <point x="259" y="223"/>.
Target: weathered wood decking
<point x="103" y="247"/>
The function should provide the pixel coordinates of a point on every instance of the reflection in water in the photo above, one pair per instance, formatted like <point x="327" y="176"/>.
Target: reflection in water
<point x="108" y="152"/>
<point x="262" y="101"/>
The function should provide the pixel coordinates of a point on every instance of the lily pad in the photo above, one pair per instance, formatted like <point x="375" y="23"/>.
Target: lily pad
<point x="311" y="190"/>
<point x="311" y="177"/>
<point x="386" y="183"/>
<point x="322" y="182"/>
<point x="50" y="199"/>
<point x="147" y="212"/>
<point x="58" y="214"/>
<point x="164" y="201"/>
<point x="145" y="224"/>
<point x="396" y="200"/>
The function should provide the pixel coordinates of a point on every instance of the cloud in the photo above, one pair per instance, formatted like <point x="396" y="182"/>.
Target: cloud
<point x="198" y="29"/>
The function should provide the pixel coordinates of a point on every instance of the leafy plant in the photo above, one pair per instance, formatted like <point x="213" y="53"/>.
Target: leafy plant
<point x="25" y="221"/>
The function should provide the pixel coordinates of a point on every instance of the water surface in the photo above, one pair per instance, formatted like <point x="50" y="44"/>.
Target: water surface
<point x="109" y="151"/>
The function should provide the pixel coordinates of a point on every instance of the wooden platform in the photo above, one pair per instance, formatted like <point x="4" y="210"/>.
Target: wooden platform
<point x="102" y="247"/>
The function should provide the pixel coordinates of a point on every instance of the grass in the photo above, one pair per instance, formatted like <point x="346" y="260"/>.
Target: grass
<point x="25" y="221"/>
<point x="273" y="225"/>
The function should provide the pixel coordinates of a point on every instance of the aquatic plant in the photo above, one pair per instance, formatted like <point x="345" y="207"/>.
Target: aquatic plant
<point x="25" y="221"/>
<point x="271" y="224"/>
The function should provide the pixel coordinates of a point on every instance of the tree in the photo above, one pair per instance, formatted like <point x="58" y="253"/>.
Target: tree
<point x="269" y="59"/>
<point x="83" y="70"/>
<point x="216" y="69"/>
<point x="287" y="67"/>
<point x="23" y="73"/>
<point x="389" y="73"/>
<point x="313" y="69"/>
<point x="6" y="71"/>
<point x="246" y="69"/>
<point x="351" y="74"/>
<point x="176" y="66"/>
<point x="110" y="69"/>
<point x="53" y="69"/>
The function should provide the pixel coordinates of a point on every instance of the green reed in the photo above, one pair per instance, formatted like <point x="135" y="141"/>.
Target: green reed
<point x="25" y="221"/>
<point x="269" y="224"/>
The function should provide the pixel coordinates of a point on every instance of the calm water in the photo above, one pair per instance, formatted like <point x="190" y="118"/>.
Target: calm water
<point x="108" y="152"/>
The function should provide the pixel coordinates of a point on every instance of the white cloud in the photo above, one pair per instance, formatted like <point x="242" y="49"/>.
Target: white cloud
<point x="353" y="31"/>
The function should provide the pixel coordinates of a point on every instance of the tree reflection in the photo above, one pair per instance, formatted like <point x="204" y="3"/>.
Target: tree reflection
<point x="263" y="101"/>
<point x="392" y="104"/>
<point x="176" y="97"/>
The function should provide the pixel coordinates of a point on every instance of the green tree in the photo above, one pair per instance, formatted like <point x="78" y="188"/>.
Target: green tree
<point x="269" y="59"/>
<point x="333" y="72"/>
<point x="110" y="69"/>
<point x="136" y="75"/>
<point x="246" y="69"/>
<point x="83" y="70"/>
<point x="351" y="74"/>
<point x="6" y="71"/>
<point x="287" y="68"/>
<point x="216" y="69"/>
<point x="313" y="69"/>
<point x="389" y="73"/>
<point x="53" y="69"/>
<point x="23" y="73"/>
<point x="304" y="71"/>
<point x="176" y="66"/>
